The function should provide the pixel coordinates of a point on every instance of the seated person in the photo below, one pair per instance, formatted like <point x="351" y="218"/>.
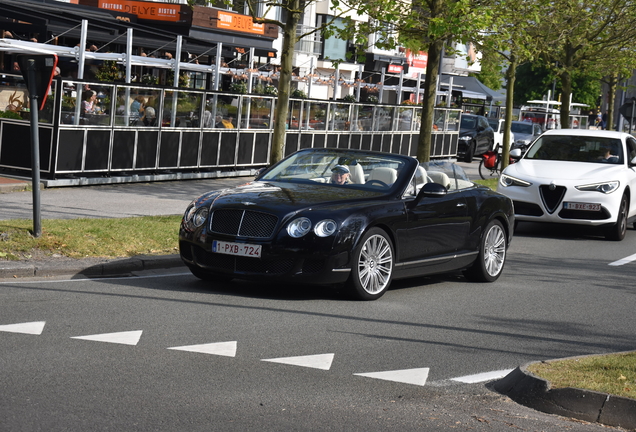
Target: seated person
<point x="607" y="156"/>
<point x="89" y="103"/>
<point x="340" y="175"/>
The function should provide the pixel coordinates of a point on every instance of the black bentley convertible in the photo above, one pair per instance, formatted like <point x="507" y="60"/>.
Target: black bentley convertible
<point x="330" y="216"/>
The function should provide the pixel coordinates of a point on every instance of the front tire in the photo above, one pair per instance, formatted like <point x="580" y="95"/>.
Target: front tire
<point x="372" y="266"/>
<point x="492" y="255"/>
<point x="617" y="231"/>
<point x="470" y="152"/>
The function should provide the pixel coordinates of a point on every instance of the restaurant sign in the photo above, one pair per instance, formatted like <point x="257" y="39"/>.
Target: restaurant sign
<point x="237" y="22"/>
<point x="148" y="10"/>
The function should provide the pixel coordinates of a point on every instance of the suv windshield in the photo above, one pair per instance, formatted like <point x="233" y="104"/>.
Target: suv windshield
<point x="577" y="149"/>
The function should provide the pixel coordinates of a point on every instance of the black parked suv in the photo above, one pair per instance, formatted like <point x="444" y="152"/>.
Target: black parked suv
<point x="476" y="137"/>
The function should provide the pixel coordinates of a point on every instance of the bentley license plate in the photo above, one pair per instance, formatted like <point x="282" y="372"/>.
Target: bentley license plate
<point x="242" y="249"/>
<point x="581" y="206"/>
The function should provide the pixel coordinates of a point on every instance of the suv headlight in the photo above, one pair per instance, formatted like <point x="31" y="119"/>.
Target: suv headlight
<point x="604" y="187"/>
<point x="505" y="180"/>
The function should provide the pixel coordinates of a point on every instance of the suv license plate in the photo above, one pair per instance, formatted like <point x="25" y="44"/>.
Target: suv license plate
<point x="241" y="249"/>
<point x="581" y="206"/>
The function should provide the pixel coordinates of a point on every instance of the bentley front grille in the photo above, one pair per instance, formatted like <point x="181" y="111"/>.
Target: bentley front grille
<point x="552" y="196"/>
<point x="243" y="223"/>
<point x="224" y="263"/>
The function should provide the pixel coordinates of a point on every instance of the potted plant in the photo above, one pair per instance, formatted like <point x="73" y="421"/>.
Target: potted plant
<point x="298" y="94"/>
<point x="238" y="87"/>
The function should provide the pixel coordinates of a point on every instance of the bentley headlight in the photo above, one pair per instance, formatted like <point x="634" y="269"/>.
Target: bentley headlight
<point x="604" y="187"/>
<point x="505" y="180"/>
<point x="200" y="216"/>
<point x="299" y="227"/>
<point x="325" y="228"/>
<point x="189" y="212"/>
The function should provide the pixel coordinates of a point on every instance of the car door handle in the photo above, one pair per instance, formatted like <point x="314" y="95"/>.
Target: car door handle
<point x="461" y="204"/>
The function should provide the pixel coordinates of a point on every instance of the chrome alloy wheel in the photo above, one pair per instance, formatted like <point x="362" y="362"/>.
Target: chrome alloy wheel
<point x="375" y="264"/>
<point x="494" y="250"/>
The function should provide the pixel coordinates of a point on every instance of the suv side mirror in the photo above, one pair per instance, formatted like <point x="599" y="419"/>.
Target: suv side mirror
<point x="515" y="153"/>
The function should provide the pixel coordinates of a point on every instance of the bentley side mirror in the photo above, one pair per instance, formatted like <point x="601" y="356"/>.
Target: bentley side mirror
<point x="259" y="172"/>
<point x="430" y="190"/>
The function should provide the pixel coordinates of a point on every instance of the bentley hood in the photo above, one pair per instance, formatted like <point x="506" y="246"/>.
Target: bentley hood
<point x="283" y="197"/>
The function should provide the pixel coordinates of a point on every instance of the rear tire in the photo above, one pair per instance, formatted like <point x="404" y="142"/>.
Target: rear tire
<point x="372" y="266"/>
<point x="492" y="255"/>
<point x="617" y="231"/>
<point x="482" y="169"/>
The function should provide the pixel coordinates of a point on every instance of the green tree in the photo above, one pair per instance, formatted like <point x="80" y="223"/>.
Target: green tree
<point x="293" y="10"/>
<point x="585" y="37"/>
<point x="534" y="80"/>
<point x="426" y="25"/>
<point x="491" y="75"/>
<point x="510" y="36"/>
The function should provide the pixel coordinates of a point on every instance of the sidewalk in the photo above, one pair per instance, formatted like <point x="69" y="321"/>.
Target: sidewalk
<point x="13" y="185"/>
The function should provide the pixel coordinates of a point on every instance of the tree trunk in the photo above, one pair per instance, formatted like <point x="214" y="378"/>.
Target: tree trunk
<point x="428" y="105"/>
<point x="611" y="95"/>
<point x="510" y="90"/>
<point x="566" y="86"/>
<point x="284" y="84"/>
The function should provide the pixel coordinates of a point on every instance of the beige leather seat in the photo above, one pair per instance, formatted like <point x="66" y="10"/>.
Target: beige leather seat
<point x="383" y="174"/>
<point x="440" y="178"/>
<point x="357" y="174"/>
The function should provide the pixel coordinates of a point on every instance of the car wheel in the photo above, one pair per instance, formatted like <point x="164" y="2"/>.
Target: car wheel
<point x="210" y="276"/>
<point x="617" y="231"/>
<point x="492" y="255"/>
<point x="470" y="152"/>
<point x="372" y="266"/>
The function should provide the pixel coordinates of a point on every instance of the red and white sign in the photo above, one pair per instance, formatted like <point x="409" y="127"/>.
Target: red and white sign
<point x="417" y="62"/>
<point x="394" y="68"/>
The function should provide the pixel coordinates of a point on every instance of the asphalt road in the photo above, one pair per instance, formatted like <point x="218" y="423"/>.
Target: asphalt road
<point x="164" y="351"/>
<point x="169" y="352"/>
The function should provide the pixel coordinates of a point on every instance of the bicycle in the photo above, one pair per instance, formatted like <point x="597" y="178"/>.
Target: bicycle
<point x="490" y="164"/>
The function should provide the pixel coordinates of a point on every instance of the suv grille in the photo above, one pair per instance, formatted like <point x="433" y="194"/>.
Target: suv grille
<point x="552" y="197"/>
<point x="243" y="223"/>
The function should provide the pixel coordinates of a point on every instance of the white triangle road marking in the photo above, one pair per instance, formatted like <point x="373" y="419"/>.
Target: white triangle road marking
<point x="481" y="377"/>
<point x="319" y="361"/>
<point x="126" y="338"/>
<point x="227" y="349"/>
<point x="35" y="328"/>
<point x="408" y="376"/>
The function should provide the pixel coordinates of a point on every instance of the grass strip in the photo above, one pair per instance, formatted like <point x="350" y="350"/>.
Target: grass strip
<point x="612" y="373"/>
<point x="81" y="238"/>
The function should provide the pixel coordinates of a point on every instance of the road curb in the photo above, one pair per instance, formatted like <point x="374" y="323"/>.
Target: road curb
<point x="529" y="390"/>
<point x="91" y="267"/>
